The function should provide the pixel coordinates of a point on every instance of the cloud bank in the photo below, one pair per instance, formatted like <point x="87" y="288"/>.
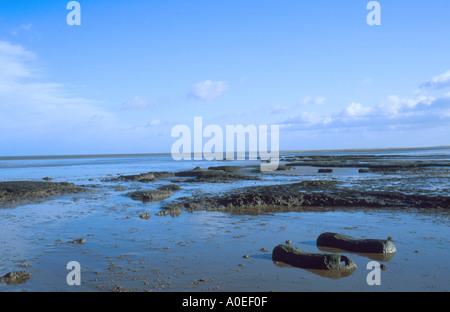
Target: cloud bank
<point x="136" y="103"/>
<point x="441" y="81"/>
<point x="208" y="90"/>
<point x="391" y="113"/>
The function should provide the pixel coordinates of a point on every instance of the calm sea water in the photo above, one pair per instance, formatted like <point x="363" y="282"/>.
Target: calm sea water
<point x="93" y="166"/>
<point x="172" y="253"/>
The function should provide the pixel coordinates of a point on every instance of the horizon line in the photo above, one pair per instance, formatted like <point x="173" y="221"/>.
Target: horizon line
<point x="166" y="154"/>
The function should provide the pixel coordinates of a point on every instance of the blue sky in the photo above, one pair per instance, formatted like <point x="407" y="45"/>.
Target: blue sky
<point x="132" y="70"/>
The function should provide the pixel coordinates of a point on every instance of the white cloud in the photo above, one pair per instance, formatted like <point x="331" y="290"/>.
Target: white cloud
<point x="438" y="82"/>
<point x="136" y="103"/>
<point x="367" y="81"/>
<point x="393" y="104"/>
<point x="393" y="112"/>
<point x="14" y="61"/>
<point x="25" y="27"/>
<point x="279" y="109"/>
<point x="208" y="90"/>
<point x="154" y="122"/>
<point x="309" y="100"/>
<point x="357" y="110"/>
<point x="309" y="119"/>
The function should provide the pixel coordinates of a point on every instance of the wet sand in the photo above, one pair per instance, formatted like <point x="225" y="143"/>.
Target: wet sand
<point x="204" y="251"/>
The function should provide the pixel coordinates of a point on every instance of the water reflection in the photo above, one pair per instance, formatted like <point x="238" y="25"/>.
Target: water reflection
<point x="332" y="274"/>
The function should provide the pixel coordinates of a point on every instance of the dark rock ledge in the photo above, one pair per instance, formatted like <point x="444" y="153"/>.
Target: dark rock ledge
<point x="307" y="195"/>
<point x="13" y="192"/>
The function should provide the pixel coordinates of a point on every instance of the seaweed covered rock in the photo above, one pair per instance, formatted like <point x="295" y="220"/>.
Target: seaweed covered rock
<point x="15" y="277"/>
<point x="169" y="187"/>
<point x="215" y="175"/>
<point x="313" y="195"/>
<point x="150" y="195"/>
<point x="16" y="191"/>
<point x="226" y="168"/>
<point x="144" y="177"/>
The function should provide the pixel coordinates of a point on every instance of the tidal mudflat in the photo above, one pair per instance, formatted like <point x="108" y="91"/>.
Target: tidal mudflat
<point x="148" y="223"/>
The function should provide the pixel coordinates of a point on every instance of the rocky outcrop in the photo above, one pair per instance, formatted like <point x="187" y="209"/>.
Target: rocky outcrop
<point x="143" y="177"/>
<point x="17" y="191"/>
<point x="219" y="174"/>
<point x="376" y="163"/>
<point x="170" y="187"/>
<point x="309" y="195"/>
<point x="150" y="195"/>
<point x="15" y="277"/>
<point x="215" y="175"/>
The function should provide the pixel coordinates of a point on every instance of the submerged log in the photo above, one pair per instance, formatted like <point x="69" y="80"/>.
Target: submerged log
<point x="344" y="242"/>
<point x="307" y="260"/>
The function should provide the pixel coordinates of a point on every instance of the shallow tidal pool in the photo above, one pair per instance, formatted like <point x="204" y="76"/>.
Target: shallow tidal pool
<point x="204" y="251"/>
